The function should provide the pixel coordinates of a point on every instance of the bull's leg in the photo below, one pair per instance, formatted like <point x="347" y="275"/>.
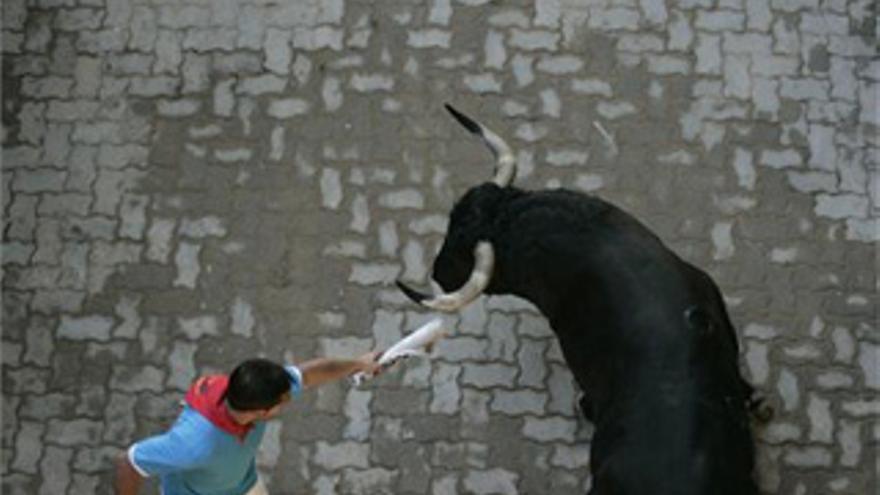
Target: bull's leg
<point x="756" y="403"/>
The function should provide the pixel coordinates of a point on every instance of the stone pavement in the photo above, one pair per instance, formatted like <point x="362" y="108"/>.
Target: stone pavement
<point x="190" y="182"/>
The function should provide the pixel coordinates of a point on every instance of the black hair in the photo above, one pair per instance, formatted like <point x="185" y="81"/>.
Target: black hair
<point x="257" y="384"/>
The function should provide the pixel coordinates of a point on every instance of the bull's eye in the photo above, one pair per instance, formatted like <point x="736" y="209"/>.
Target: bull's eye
<point x="698" y="320"/>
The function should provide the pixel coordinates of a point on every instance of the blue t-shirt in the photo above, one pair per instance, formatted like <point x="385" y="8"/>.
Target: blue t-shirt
<point x="195" y="457"/>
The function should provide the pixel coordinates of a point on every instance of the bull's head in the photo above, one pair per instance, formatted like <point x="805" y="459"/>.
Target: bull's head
<point x="465" y="265"/>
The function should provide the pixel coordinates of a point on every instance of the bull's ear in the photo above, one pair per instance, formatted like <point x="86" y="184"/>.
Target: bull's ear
<point x="487" y="201"/>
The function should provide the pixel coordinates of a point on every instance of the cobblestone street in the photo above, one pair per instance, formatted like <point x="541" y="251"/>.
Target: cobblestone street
<point x="189" y="183"/>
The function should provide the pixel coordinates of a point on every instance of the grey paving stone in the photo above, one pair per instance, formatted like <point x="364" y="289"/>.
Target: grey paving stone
<point x="518" y="402"/>
<point x="84" y="484"/>
<point x="132" y="211"/>
<point x="29" y="447"/>
<point x="181" y="362"/>
<point x="14" y="14"/>
<point x="808" y="456"/>
<point x="33" y="122"/>
<point x="184" y="16"/>
<point x="209" y="39"/>
<point x="169" y="53"/>
<point x="154" y="86"/>
<point x="793" y="5"/>
<point x="251" y="26"/>
<point x="655" y="11"/>
<point x="553" y="428"/>
<point x="564" y="64"/>
<point x="491" y="481"/>
<point x="278" y="51"/>
<point x="288" y="108"/>
<point x="869" y="361"/>
<point x="120" y="407"/>
<point x="260" y="85"/>
<point x="198" y="228"/>
<point x="364" y="481"/>
<point x="406" y="198"/>
<point x="183" y="107"/>
<point x="91" y="328"/>
<point x="195" y="72"/>
<point x="21" y="156"/>
<point x="349" y="454"/>
<point x="75" y="433"/>
<point x="861" y="408"/>
<point x="842" y="205"/>
<point x="721" y="20"/>
<point x="429" y="38"/>
<point x="708" y="54"/>
<point x="101" y="41"/>
<point x="759" y="15"/>
<point x="135" y="379"/>
<point x="371" y="82"/>
<point x="533" y="40"/>
<point x="848" y="438"/>
<point x="488" y="375"/>
<point x="318" y="38"/>
<point x="614" y="18"/>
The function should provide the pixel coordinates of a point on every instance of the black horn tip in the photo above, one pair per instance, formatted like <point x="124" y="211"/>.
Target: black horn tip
<point x="464" y="120"/>
<point x="416" y="296"/>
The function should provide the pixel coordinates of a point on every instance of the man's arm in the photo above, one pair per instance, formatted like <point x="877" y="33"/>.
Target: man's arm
<point x="178" y="449"/>
<point x="323" y="370"/>
<point x="128" y="480"/>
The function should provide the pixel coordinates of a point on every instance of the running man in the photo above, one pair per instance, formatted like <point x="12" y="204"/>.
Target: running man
<point x="212" y="446"/>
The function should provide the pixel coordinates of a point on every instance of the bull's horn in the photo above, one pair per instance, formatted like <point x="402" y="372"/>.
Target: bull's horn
<point x="505" y="170"/>
<point x="484" y="261"/>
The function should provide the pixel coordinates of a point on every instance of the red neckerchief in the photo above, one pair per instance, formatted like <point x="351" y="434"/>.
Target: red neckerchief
<point x="207" y="397"/>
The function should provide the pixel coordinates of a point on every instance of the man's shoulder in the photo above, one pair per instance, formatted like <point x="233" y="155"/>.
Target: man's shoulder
<point x="192" y="425"/>
<point x="189" y="442"/>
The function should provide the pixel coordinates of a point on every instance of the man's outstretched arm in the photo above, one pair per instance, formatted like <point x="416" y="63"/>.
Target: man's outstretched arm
<point x="323" y="370"/>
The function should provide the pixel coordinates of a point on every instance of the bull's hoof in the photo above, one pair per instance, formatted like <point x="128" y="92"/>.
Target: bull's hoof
<point x="760" y="409"/>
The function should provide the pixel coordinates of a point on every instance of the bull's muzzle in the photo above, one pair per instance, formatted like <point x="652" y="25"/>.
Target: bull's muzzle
<point x="484" y="262"/>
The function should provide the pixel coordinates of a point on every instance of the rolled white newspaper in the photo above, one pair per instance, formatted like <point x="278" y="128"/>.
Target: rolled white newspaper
<point x="414" y="344"/>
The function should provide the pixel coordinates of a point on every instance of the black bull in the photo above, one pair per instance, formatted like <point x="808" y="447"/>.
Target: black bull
<point x="645" y="334"/>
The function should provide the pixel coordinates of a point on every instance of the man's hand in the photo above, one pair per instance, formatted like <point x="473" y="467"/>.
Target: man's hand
<point x="369" y="365"/>
<point x="323" y="370"/>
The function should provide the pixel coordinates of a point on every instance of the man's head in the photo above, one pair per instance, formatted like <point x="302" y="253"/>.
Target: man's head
<point x="258" y="388"/>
